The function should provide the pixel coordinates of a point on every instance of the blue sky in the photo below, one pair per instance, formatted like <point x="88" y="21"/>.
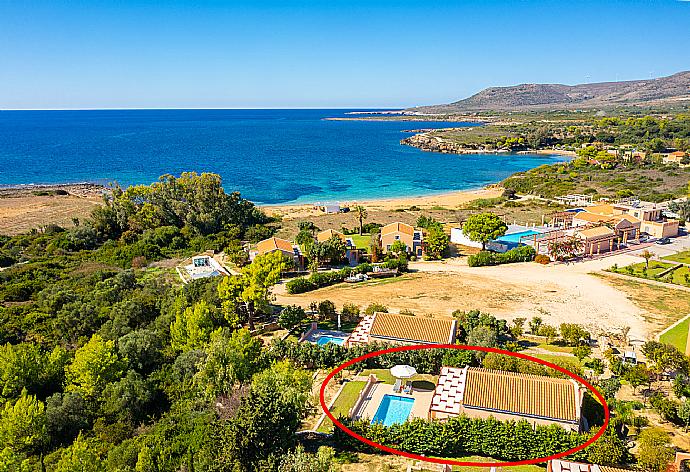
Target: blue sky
<point x="332" y="53"/>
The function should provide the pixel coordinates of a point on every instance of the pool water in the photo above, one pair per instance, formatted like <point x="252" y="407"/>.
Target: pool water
<point x="323" y="340"/>
<point x="515" y="237"/>
<point x="393" y="410"/>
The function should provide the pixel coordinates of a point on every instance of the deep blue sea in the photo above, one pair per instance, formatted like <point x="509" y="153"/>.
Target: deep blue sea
<point x="270" y="156"/>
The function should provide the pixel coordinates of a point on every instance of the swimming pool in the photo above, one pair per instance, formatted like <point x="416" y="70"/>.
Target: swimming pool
<point x="515" y="237"/>
<point x="325" y="339"/>
<point x="393" y="410"/>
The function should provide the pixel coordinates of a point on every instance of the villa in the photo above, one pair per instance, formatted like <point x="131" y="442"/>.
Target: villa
<point x="481" y="393"/>
<point x="352" y="254"/>
<point x="274" y="244"/>
<point x="404" y="233"/>
<point x="202" y="266"/>
<point x="403" y="329"/>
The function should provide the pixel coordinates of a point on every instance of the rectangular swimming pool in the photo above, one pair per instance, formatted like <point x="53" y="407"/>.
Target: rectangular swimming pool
<point x="393" y="410"/>
<point x="515" y="237"/>
<point x="325" y="339"/>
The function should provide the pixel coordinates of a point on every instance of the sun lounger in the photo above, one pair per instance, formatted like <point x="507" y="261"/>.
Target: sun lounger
<point x="397" y="386"/>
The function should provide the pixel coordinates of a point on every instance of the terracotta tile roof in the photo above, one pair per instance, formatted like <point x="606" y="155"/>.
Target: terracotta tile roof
<point x="272" y="244"/>
<point x="590" y="217"/>
<point x="404" y="328"/>
<point x="397" y="228"/>
<point x="328" y="234"/>
<point x="596" y="233"/>
<point x="606" y="210"/>
<point x="522" y="394"/>
<point x="677" y="154"/>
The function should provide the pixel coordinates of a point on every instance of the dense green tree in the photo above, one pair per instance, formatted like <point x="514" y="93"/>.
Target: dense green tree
<point x="81" y="456"/>
<point x="22" y="424"/>
<point x="230" y="360"/>
<point x="436" y="242"/>
<point x="67" y="414"/>
<point x="129" y="399"/>
<point x="291" y="316"/>
<point x="94" y="365"/>
<point x="484" y="227"/>
<point x="654" y="452"/>
<point x="252" y="289"/>
<point x="192" y="328"/>
<point x="301" y="461"/>
<point x="573" y="334"/>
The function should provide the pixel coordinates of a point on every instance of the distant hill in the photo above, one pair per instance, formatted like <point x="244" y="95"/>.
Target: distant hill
<point x="671" y="90"/>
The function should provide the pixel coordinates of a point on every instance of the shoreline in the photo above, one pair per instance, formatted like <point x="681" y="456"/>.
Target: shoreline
<point x="450" y="199"/>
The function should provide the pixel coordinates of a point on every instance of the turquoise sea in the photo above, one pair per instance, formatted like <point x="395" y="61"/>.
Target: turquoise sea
<point x="270" y="156"/>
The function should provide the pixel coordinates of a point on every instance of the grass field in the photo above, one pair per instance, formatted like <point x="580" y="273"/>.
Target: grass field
<point x="678" y="336"/>
<point x="683" y="257"/>
<point x="343" y="403"/>
<point x="361" y="242"/>
<point x="680" y="276"/>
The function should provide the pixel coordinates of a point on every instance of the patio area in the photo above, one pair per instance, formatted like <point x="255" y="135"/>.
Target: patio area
<point x="420" y="407"/>
<point x="325" y="336"/>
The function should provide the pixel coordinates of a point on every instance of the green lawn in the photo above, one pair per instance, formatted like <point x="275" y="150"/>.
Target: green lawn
<point x="361" y="242"/>
<point x="560" y="360"/>
<point x="678" y="336"/>
<point x="683" y="257"/>
<point x="679" y="276"/>
<point x="384" y="375"/>
<point x="342" y="404"/>
<point x="555" y="348"/>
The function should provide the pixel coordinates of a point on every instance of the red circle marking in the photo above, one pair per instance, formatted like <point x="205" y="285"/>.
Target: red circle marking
<point x="409" y="455"/>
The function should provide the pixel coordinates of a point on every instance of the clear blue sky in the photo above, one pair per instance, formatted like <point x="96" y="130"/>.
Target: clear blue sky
<point x="330" y="53"/>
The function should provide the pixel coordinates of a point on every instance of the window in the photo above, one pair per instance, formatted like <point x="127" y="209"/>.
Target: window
<point x="388" y="247"/>
<point x="397" y="237"/>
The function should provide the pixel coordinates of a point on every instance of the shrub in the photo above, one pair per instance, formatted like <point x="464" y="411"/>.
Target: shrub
<point x="542" y="259"/>
<point x="487" y="258"/>
<point x="375" y="308"/>
<point x="300" y="285"/>
<point x="291" y="316"/>
<point x="350" y="312"/>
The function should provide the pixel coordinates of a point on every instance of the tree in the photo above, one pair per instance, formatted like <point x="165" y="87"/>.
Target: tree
<point x="665" y="358"/>
<point x="636" y="375"/>
<point x="647" y="255"/>
<point x="230" y="360"/>
<point x="609" y="387"/>
<point x="361" y="214"/>
<point x="484" y="227"/>
<point x="268" y="417"/>
<point x="549" y="332"/>
<point x="94" y="365"/>
<point x="81" y="456"/>
<point x="682" y="208"/>
<point x="518" y="327"/>
<point x="301" y="461"/>
<point x="684" y="413"/>
<point x="535" y="325"/>
<point x="291" y="316"/>
<point x="129" y="399"/>
<point x="252" y="289"/>
<point x="398" y="247"/>
<point x="654" y="452"/>
<point x="22" y="424"/>
<point x="582" y="351"/>
<point x="435" y="242"/>
<point x="192" y="327"/>
<point x="573" y="333"/>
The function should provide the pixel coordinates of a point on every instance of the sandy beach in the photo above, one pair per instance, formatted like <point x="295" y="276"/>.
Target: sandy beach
<point x="446" y="200"/>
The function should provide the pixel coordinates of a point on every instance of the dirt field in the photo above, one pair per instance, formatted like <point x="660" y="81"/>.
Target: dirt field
<point x="556" y="293"/>
<point x="27" y="208"/>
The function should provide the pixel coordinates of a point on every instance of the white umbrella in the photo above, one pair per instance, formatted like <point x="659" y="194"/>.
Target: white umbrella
<point x="403" y="371"/>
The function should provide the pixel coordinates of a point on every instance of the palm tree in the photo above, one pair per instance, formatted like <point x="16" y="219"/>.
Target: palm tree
<point x="647" y="255"/>
<point x="361" y="213"/>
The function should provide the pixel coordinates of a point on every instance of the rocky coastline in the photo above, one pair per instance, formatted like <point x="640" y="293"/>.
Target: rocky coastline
<point x="430" y="143"/>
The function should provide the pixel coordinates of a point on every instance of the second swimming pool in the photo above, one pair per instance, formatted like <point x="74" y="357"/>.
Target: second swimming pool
<point x="393" y="410"/>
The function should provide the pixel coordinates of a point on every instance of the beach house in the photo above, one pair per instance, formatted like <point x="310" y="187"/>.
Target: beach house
<point x="201" y="267"/>
<point x="505" y="396"/>
<point x="404" y="233"/>
<point x="274" y="244"/>
<point x="403" y="329"/>
<point x="352" y="254"/>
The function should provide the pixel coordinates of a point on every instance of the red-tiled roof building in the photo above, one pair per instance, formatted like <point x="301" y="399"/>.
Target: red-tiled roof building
<point x="481" y="393"/>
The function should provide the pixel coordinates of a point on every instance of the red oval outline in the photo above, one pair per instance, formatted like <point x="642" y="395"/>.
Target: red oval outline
<point x="600" y="397"/>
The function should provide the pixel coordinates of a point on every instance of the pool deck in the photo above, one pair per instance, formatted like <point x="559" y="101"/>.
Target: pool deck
<point x="317" y="333"/>
<point x="420" y="408"/>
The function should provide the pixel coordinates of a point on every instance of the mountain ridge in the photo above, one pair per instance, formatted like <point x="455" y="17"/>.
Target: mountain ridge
<point x="673" y="89"/>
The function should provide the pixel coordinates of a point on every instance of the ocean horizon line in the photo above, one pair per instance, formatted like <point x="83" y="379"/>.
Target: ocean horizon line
<point x="368" y="108"/>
